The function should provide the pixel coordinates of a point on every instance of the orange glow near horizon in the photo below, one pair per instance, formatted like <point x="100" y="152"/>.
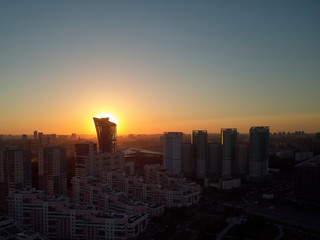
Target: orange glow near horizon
<point x="104" y="114"/>
<point x="136" y="121"/>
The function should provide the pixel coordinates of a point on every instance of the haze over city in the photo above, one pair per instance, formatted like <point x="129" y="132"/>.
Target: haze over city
<point x="159" y="66"/>
<point x="161" y="120"/>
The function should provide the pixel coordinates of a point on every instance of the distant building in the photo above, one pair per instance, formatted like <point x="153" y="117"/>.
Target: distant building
<point x="35" y="135"/>
<point x="200" y="152"/>
<point x="228" y="152"/>
<point x="172" y="151"/>
<point x="15" y="172"/>
<point x="259" y="152"/>
<point x="107" y="134"/>
<point x="44" y="140"/>
<point x="53" y="170"/>
<point x="24" y="137"/>
<point x="85" y="159"/>
<point x="307" y="179"/>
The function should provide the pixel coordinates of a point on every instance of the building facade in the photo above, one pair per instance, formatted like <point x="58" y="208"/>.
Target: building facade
<point x="200" y="152"/>
<point x="15" y="172"/>
<point x="53" y="170"/>
<point x="155" y="187"/>
<point x="242" y="159"/>
<point x="228" y="152"/>
<point x="91" y="191"/>
<point x="214" y="160"/>
<point x="9" y="229"/>
<point x="108" y="161"/>
<point x="187" y="159"/>
<point x="85" y="159"/>
<point x="259" y="152"/>
<point x="307" y="179"/>
<point x="57" y="218"/>
<point x="172" y="151"/>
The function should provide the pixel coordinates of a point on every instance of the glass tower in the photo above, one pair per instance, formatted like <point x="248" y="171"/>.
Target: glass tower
<point x="107" y="134"/>
<point x="200" y="152"/>
<point x="228" y="151"/>
<point x="259" y="152"/>
<point x="172" y="151"/>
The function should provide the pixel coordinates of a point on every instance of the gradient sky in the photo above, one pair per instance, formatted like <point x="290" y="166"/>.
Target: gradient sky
<point x="159" y="65"/>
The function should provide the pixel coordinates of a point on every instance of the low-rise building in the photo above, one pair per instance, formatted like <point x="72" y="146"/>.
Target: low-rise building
<point x="89" y="190"/>
<point x="156" y="187"/>
<point x="57" y="218"/>
<point x="9" y="229"/>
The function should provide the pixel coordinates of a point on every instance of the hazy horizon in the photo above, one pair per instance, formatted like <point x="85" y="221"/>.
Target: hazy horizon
<point x="158" y="66"/>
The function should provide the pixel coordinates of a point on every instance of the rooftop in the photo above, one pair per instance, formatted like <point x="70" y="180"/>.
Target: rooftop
<point x="313" y="162"/>
<point x="137" y="150"/>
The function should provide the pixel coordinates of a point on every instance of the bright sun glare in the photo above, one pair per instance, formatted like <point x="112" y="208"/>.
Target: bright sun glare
<point x="111" y="117"/>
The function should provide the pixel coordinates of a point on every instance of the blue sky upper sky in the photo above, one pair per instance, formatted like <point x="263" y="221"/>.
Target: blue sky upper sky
<point x="159" y="65"/>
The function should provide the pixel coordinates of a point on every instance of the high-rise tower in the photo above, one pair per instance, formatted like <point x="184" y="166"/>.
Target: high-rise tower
<point x="86" y="154"/>
<point x="15" y="171"/>
<point x="259" y="152"/>
<point x="228" y="151"/>
<point x="213" y="160"/>
<point x="107" y="134"/>
<point x="200" y="152"/>
<point x="53" y="170"/>
<point x="172" y="151"/>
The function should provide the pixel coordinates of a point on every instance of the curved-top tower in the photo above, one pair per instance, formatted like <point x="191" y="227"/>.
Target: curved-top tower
<point x="107" y="134"/>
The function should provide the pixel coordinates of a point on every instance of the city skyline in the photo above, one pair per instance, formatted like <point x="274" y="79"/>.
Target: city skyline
<point x="155" y="67"/>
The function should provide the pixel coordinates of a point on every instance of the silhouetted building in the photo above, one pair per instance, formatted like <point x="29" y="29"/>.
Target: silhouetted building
<point x="85" y="159"/>
<point x="53" y="170"/>
<point x="9" y="229"/>
<point x="44" y="140"/>
<point x="242" y="159"/>
<point x="89" y="189"/>
<point x="200" y="152"/>
<point x="108" y="162"/>
<point x="307" y="179"/>
<point x="57" y="218"/>
<point x="228" y="152"/>
<point x="35" y="135"/>
<point x="318" y="136"/>
<point x="259" y="152"/>
<point x="214" y="160"/>
<point x="107" y="134"/>
<point x="187" y="159"/>
<point x="157" y="186"/>
<point x="141" y="157"/>
<point x="15" y="171"/>
<point x="172" y="151"/>
<point x="24" y="137"/>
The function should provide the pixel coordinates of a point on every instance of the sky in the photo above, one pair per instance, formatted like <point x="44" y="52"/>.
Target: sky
<point x="156" y="66"/>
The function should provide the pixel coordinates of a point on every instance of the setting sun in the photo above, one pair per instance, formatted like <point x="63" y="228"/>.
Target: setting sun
<point x="111" y="117"/>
